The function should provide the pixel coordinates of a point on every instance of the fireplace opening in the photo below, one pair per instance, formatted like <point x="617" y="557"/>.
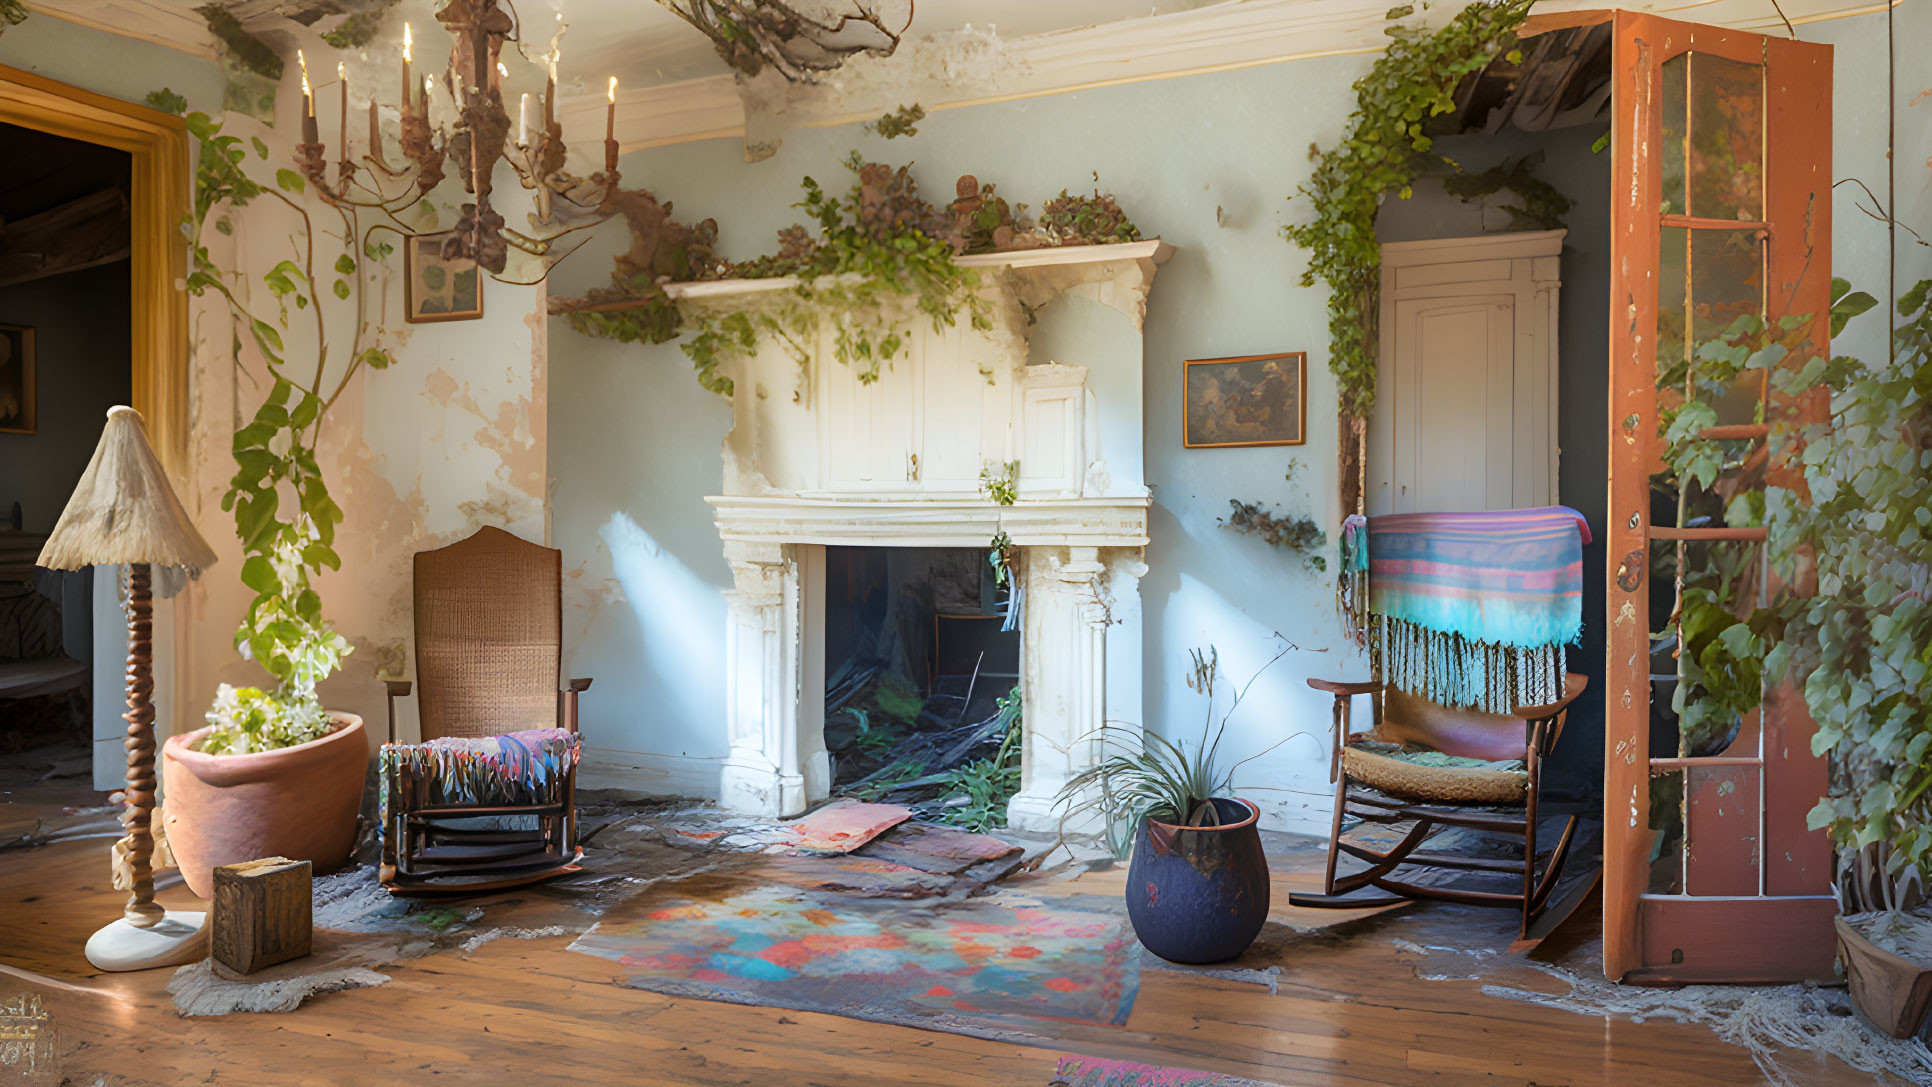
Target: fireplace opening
<point x="922" y="686"/>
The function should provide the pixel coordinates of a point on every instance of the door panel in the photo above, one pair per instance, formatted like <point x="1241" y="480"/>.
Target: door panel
<point x="1722" y="211"/>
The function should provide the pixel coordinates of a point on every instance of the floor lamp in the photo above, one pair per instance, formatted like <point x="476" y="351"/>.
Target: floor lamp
<point x="124" y="512"/>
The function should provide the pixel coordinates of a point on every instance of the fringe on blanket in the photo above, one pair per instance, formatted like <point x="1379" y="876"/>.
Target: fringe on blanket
<point x="1453" y="671"/>
<point x="1351" y="587"/>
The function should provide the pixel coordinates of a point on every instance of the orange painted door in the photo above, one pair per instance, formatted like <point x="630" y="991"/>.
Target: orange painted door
<point x="1722" y="194"/>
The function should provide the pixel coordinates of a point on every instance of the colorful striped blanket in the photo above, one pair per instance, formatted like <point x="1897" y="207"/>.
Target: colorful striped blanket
<point x="1468" y="609"/>
<point x="515" y="768"/>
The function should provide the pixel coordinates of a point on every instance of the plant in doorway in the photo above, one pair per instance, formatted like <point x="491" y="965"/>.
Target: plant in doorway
<point x="1197" y="884"/>
<point x="273" y="773"/>
<point x="1857" y="635"/>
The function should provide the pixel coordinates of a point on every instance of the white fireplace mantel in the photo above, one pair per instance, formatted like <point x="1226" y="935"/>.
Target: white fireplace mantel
<point x="816" y="458"/>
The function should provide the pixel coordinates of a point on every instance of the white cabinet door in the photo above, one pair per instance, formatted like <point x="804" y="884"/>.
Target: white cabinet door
<point x="869" y="432"/>
<point x="967" y="415"/>
<point x="1465" y="412"/>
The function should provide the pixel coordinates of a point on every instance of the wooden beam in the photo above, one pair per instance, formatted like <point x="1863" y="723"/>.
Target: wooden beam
<point x="83" y="233"/>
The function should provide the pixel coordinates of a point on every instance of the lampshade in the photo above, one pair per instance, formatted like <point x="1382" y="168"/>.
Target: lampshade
<point x="124" y="510"/>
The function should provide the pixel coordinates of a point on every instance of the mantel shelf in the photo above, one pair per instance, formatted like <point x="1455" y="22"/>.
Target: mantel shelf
<point x="1152" y="250"/>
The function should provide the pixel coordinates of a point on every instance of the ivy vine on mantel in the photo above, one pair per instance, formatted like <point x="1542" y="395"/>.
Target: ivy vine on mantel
<point x="1381" y="152"/>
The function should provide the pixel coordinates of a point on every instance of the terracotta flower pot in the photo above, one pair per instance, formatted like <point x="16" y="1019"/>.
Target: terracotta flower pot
<point x="297" y="802"/>
<point x="1894" y="992"/>
<point x="1199" y="894"/>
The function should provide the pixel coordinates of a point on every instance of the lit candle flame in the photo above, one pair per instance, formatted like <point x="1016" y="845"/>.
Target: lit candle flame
<point x="612" y="93"/>
<point x="408" y="41"/>
<point x="342" y="71"/>
<point x="554" y="54"/>
<point x="501" y="70"/>
<point x="303" y="61"/>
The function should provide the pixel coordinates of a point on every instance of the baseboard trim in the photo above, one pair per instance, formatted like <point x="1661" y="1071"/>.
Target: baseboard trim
<point x="645" y="772"/>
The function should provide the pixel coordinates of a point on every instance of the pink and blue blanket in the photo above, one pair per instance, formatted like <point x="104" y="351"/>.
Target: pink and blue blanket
<point x="1468" y="609"/>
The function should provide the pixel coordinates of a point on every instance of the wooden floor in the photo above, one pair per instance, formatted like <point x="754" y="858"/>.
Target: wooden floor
<point x="521" y="1012"/>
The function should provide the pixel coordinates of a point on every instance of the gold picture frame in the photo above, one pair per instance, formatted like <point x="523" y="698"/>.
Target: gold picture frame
<point x="18" y="399"/>
<point x="1246" y="400"/>
<point x="436" y="289"/>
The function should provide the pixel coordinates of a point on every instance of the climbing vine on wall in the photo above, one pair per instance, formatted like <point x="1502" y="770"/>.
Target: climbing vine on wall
<point x="1380" y="152"/>
<point x="877" y="264"/>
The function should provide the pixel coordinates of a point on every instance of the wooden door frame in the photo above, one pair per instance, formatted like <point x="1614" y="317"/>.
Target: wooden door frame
<point x="158" y="255"/>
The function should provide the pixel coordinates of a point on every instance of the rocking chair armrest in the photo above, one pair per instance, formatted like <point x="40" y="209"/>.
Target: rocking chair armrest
<point x="397" y="688"/>
<point x="1344" y="688"/>
<point x="1573" y="685"/>
<point x="580" y="685"/>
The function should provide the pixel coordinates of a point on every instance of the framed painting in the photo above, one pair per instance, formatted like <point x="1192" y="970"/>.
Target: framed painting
<point x="16" y="379"/>
<point x="1249" y="400"/>
<point x="437" y="289"/>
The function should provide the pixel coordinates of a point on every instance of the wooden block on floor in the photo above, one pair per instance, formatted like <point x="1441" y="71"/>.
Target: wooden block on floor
<point x="264" y="913"/>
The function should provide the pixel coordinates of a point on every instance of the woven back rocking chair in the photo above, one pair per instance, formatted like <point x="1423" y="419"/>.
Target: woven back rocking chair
<point x="487" y="800"/>
<point x="1396" y="773"/>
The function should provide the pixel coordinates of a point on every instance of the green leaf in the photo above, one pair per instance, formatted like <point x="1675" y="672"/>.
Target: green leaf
<point x="345" y="264"/>
<point x="269" y="340"/>
<point x="261" y="149"/>
<point x="289" y="181"/>
<point x="259" y="574"/>
<point x="377" y="358"/>
<point x="341" y="288"/>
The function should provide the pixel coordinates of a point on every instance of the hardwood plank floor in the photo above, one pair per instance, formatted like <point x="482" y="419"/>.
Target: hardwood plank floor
<point x="1349" y="1009"/>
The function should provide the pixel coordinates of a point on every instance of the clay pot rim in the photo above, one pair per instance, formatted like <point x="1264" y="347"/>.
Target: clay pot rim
<point x="1254" y="814"/>
<point x="208" y="766"/>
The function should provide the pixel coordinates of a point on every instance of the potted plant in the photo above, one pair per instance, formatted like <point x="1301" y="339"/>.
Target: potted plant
<point x="1197" y="884"/>
<point x="273" y="773"/>
<point x="1856" y="632"/>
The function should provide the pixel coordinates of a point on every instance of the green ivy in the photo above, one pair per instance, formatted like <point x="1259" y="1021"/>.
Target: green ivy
<point x="903" y="121"/>
<point x="284" y="515"/>
<point x="1381" y="152"/>
<point x="875" y="266"/>
<point x="1289" y="532"/>
<point x="998" y="480"/>
<point x="1862" y="643"/>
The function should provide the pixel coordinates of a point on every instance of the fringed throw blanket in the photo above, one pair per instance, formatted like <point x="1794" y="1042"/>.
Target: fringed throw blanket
<point x="514" y="768"/>
<point x="1470" y="610"/>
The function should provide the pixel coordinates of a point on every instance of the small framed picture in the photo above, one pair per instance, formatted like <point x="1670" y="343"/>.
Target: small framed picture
<point x="1250" y="400"/>
<point x="436" y="289"/>
<point x="17" y="415"/>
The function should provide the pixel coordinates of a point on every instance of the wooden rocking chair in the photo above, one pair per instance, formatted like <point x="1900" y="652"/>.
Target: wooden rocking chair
<point x="1390" y="789"/>
<point x="489" y="647"/>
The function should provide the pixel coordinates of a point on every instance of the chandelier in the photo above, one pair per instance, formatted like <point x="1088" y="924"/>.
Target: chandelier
<point x="479" y="137"/>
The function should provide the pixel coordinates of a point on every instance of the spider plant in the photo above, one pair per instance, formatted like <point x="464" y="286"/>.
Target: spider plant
<point x="1145" y="775"/>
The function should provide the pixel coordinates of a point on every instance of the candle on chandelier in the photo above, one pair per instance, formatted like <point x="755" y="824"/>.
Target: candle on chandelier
<point x="408" y="85"/>
<point x="610" y="115"/>
<point x="429" y="85"/>
<point x="342" y="77"/>
<point x="309" y="135"/>
<point x="308" y="95"/>
<point x="550" y="93"/>
<point x="523" y="120"/>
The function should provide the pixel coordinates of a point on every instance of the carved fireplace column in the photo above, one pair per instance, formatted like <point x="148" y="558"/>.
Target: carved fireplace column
<point x="762" y="674"/>
<point x="1080" y="603"/>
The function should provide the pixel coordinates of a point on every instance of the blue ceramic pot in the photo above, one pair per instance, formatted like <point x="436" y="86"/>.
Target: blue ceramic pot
<point x="1199" y="894"/>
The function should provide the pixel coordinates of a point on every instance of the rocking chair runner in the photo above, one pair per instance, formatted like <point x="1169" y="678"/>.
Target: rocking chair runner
<point x="500" y="741"/>
<point x="1379" y="788"/>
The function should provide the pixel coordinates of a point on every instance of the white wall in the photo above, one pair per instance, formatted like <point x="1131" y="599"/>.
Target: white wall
<point x="1203" y="162"/>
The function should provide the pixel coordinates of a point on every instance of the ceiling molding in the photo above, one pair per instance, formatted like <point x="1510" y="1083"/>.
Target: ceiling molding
<point x="1221" y="37"/>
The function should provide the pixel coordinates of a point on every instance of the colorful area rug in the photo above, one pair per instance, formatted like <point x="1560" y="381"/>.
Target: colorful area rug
<point x="1095" y="1072"/>
<point x="1005" y="966"/>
